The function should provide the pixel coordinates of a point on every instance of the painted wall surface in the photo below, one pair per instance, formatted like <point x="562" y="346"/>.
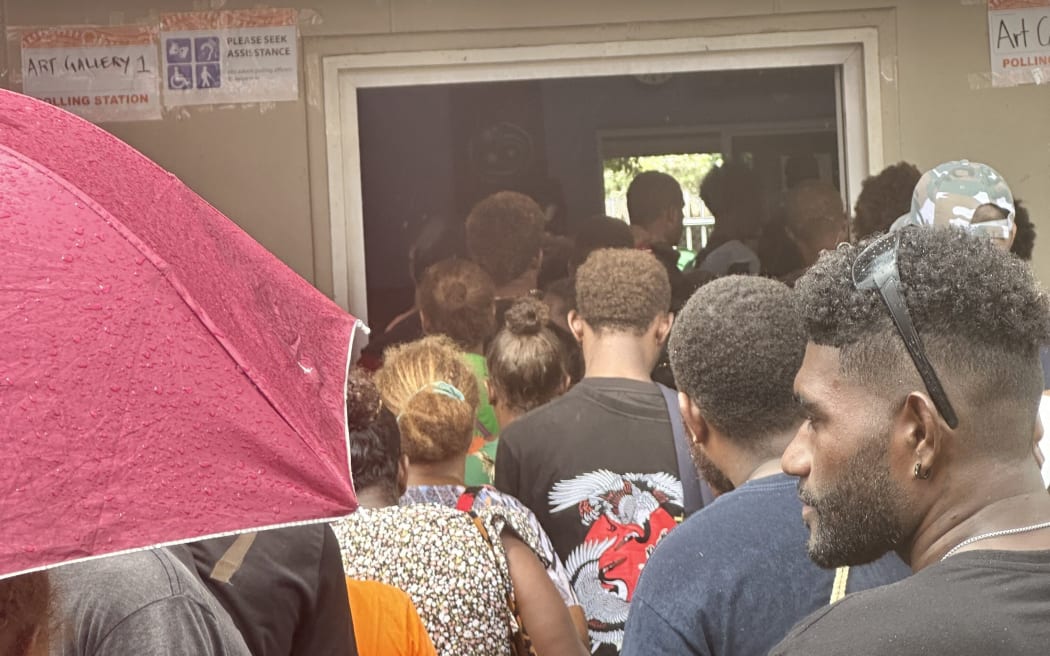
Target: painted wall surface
<point x="266" y="167"/>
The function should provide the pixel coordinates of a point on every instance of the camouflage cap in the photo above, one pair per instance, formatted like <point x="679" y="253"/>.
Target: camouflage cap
<point x="952" y="193"/>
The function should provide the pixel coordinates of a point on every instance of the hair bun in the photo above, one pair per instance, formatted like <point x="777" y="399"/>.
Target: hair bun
<point x="455" y="293"/>
<point x="362" y="400"/>
<point x="527" y="316"/>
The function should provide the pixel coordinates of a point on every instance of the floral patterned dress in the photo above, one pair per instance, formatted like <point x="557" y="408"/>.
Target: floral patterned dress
<point x="457" y="580"/>
<point x="486" y="496"/>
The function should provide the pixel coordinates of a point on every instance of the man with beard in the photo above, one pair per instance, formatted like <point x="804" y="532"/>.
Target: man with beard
<point x="735" y="577"/>
<point x="920" y="385"/>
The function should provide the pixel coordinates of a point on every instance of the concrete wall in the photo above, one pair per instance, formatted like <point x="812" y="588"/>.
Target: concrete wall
<point x="266" y="169"/>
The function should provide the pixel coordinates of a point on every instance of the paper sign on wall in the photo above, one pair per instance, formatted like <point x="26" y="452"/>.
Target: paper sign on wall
<point x="230" y="56"/>
<point x="1019" y="40"/>
<point x="99" y="73"/>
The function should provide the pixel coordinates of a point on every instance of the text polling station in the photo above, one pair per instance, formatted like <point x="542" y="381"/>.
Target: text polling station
<point x="134" y="72"/>
<point x="101" y="74"/>
<point x="1019" y="41"/>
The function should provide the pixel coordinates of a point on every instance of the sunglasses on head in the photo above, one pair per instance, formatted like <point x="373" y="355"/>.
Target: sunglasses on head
<point x="876" y="268"/>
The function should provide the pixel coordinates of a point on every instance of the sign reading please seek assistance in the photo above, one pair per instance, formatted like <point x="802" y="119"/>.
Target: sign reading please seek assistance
<point x="1019" y="40"/>
<point x="230" y="56"/>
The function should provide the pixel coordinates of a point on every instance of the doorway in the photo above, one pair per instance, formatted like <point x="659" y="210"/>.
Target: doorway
<point x="849" y="56"/>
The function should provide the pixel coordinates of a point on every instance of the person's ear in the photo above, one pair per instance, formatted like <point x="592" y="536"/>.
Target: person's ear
<point x="426" y="323"/>
<point x="663" y="328"/>
<point x="491" y="390"/>
<point x="695" y="424"/>
<point x="566" y="383"/>
<point x="402" y="475"/>
<point x="577" y="325"/>
<point x="917" y="442"/>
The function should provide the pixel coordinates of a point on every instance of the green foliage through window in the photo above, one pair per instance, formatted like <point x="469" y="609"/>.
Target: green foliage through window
<point x="689" y="169"/>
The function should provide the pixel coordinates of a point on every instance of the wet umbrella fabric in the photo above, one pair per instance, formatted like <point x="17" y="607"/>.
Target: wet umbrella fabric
<point x="162" y="376"/>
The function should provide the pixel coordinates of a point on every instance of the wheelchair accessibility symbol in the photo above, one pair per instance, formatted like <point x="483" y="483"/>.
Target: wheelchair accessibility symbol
<point x="180" y="77"/>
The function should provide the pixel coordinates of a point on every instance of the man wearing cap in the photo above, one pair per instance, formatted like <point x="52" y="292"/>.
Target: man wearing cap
<point x="967" y="195"/>
<point x="920" y="385"/>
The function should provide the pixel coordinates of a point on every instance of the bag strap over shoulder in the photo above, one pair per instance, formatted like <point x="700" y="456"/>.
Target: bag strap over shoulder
<point x="695" y="493"/>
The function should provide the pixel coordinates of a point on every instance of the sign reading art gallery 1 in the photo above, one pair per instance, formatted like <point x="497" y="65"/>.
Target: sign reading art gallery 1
<point x="1019" y="41"/>
<point x="99" y="73"/>
<point x="230" y="57"/>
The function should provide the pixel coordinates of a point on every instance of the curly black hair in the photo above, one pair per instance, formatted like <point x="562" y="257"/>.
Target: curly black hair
<point x="375" y="440"/>
<point x="505" y="234"/>
<point x="1024" y="240"/>
<point x="622" y="290"/>
<point x="979" y="312"/>
<point x="884" y="198"/>
<point x="735" y="348"/>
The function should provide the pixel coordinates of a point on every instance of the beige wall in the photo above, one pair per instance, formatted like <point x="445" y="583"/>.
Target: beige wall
<point x="266" y="168"/>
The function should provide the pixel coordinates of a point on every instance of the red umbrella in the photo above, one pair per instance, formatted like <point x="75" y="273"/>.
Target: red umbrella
<point x="162" y="376"/>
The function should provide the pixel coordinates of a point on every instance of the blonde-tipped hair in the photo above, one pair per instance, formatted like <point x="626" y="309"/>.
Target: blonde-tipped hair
<point x="434" y="426"/>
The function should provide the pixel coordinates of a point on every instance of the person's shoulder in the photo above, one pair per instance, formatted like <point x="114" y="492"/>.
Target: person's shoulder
<point x="539" y="423"/>
<point x="699" y="544"/>
<point x="106" y="592"/>
<point x="718" y="539"/>
<point x="400" y="514"/>
<point x="488" y="495"/>
<point x="376" y="594"/>
<point x="851" y="625"/>
<point x="135" y="579"/>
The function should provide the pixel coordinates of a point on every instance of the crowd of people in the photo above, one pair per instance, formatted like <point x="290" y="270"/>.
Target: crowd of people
<point x="819" y="437"/>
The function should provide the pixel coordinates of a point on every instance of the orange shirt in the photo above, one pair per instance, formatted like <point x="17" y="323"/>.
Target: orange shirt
<point x="385" y="621"/>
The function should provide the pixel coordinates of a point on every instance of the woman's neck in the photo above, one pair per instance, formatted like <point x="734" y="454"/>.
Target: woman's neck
<point x="446" y="472"/>
<point x="376" y="496"/>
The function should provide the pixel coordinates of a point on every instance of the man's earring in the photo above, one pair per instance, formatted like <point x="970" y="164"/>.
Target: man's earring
<point x="918" y="472"/>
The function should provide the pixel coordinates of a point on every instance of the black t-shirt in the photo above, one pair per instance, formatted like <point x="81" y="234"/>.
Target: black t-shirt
<point x="288" y="595"/>
<point x="598" y="468"/>
<point x="976" y="602"/>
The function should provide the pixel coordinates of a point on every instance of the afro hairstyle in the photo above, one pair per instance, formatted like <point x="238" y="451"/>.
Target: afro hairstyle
<point x="505" y="235"/>
<point x="735" y="349"/>
<point x="978" y="310"/>
<point x="883" y="199"/>
<point x="622" y="290"/>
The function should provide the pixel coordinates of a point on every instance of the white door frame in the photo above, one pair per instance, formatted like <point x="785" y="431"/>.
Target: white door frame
<point x="855" y="50"/>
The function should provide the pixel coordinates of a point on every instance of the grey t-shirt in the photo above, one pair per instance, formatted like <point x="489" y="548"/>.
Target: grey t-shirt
<point x="149" y="602"/>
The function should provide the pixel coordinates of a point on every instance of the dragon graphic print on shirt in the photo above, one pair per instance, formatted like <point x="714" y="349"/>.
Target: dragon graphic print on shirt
<point x="627" y="515"/>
